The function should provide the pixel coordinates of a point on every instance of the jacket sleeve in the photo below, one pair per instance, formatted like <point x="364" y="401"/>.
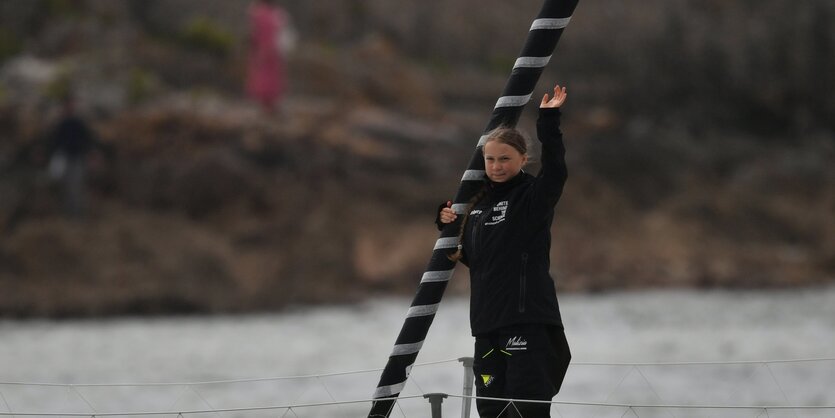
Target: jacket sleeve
<point x="553" y="173"/>
<point x="438" y="222"/>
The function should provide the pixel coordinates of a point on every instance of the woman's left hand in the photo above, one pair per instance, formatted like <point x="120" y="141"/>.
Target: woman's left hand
<point x="557" y="100"/>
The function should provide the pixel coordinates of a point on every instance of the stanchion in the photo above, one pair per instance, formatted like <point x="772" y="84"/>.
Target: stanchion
<point x="469" y="377"/>
<point x="435" y="400"/>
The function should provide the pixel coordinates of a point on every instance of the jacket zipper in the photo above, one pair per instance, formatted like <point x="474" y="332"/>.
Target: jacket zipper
<point x="523" y="278"/>
<point x="474" y="236"/>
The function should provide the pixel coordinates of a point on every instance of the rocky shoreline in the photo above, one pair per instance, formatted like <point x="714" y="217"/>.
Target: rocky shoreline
<point x="204" y="213"/>
<point x="206" y="204"/>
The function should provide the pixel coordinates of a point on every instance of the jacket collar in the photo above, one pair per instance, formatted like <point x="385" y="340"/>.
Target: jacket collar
<point x="494" y="187"/>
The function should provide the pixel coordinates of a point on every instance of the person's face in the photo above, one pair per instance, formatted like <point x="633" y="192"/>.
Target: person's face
<point x="502" y="162"/>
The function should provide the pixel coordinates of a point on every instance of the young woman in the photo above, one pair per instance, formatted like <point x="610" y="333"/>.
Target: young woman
<point x="505" y="240"/>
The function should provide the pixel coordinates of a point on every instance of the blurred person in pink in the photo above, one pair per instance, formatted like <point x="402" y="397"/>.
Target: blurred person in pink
<point x="266" y="73"/>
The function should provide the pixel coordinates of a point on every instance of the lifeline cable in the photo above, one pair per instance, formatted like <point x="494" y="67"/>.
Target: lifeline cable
<point x="542" y="39"/>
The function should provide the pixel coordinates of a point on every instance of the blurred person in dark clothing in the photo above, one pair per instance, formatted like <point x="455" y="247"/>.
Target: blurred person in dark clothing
<point x="70" y="144"/>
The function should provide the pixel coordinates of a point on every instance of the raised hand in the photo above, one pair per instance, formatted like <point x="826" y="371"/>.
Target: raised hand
<point x="557" y="100"/>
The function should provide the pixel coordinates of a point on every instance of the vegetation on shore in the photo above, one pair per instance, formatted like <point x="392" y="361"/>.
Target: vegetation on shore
<point x="699" y="148"/>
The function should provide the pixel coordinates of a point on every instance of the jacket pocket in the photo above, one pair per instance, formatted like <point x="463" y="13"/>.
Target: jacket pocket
<point x="523" y="278"/>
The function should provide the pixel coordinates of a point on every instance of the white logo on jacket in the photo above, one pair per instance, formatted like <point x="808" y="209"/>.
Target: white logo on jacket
<point x="516" y="343"/>
<point x="498" y="214"/>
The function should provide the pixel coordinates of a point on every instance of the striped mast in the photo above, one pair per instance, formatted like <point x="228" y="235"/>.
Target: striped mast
<point x="542" y="39"/>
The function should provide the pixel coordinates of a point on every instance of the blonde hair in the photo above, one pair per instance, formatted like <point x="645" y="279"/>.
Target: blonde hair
<point x="509" y="136"/>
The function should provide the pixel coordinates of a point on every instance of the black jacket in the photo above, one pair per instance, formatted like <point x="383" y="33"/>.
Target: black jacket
<point x="72" y="137"/>
<point x="507" y="241"/>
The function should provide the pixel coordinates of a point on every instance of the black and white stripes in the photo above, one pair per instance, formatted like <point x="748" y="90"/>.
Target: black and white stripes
<point x="536" y="54"/>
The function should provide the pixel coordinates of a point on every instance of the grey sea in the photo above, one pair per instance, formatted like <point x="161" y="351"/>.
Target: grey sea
<point x="644" y="354"/>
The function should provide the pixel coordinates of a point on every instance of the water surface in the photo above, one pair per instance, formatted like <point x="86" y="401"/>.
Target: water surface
<point x="613" y="328"/>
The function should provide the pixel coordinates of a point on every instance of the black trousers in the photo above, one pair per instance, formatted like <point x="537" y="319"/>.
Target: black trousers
<point x="526" y="361"/>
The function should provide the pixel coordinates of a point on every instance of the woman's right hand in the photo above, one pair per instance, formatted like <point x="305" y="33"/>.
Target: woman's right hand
<point x="447" y="215"/>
